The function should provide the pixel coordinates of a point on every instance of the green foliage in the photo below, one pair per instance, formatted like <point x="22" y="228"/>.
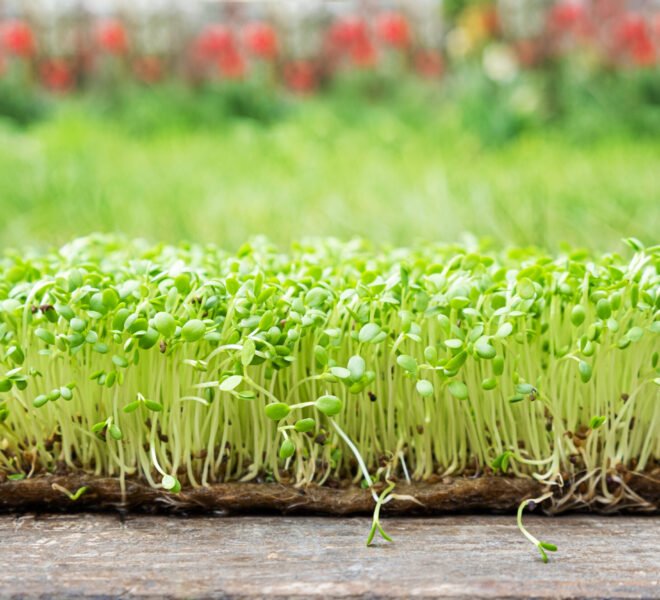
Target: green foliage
<point x="277" y="411"/>
<point x="501" y="462"/>
<point x="329" y="405"/>
<point x="178" y="107"/>
<point x="566" y="95"/>
<point x="396" y="173"/>
<point x="301" y="363"/>
<point x="305" y="425"/>
<point x="287" y="449"/>
<point x="425" y="388"/>
<point x="21" y="105"/>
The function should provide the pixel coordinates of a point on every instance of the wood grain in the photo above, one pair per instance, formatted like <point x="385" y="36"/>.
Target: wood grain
<point x="101" y="556"/>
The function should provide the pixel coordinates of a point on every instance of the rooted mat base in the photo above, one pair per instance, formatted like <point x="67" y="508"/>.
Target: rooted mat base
<point x="451" y="495"/>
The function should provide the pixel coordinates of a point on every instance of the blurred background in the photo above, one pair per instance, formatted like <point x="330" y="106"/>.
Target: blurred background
<point x="517" y="121"/>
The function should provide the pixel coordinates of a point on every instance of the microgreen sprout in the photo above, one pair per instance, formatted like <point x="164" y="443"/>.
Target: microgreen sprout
<point x="542" y="546"/>
<point x="171" y="484"/>
<point x="501" y="462"/>
<point x="375" y="525"/>
<point x="142" y="401"/>
<point x="336" y="361"/>
<point x="73" y="496"/>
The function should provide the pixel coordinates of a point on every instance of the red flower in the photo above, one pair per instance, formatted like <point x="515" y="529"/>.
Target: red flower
<point x="344" y="34"/>
<point x="566" y="15"/>
<point x="17" y="38"/>
<point x="148" y="69"/>
<point x="569" y="17"/>
<point x="643" y="53"/>
<point x="350" y="38"/>
<point x="428" y="63"/>
<point x="111" y="36"/>
<point x="631" y="28"/>
<point x="363" y="54"/>
<point x="393" y="29"/>
<point x="231" y="65"/>
<point x="214" y="41"/>
<point x="261" y="40"/>
<point x="56" y="75"/>
<point x="300" y="76"/>
<point x="634" y="35"/>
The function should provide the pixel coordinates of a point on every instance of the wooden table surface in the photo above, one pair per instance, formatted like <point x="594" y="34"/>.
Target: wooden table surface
<point x="100" y="556"/>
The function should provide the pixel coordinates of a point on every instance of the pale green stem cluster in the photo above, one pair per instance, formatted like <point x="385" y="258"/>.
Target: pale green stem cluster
<point x="438" y="374"/>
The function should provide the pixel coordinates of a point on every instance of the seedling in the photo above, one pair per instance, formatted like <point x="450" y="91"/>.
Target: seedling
<point x="376" y="526"/>
<point x="326" y="363"/>
<point x="502" y="461"/>
<point x="542" y="546"/>
<point x="73" y="496"/>
<point x="330" y="406"/>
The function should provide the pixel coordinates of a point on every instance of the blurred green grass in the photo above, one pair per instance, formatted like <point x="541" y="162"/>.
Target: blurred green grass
<point x="322" y="172"/>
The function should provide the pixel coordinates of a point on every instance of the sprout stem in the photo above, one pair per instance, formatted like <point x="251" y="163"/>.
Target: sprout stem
<point x="542" y="546"/>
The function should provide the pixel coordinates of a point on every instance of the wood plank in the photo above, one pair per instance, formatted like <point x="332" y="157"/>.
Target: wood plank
<point x="99" y="555"/>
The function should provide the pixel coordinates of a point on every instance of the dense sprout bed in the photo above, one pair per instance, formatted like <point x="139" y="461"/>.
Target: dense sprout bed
<point x="185" y="366"/>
